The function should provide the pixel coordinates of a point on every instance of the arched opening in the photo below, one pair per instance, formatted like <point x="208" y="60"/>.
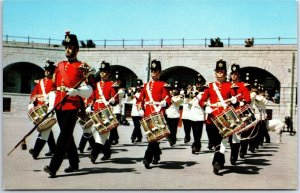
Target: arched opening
<point x="128" y="77"/>
<point x="269" y="81"/>
<point x="183" y="75"/>
<point x="19" y="77"/>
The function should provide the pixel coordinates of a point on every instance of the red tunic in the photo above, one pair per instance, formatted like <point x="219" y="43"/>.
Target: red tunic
<point x="210" y="93"/>
<point x="243" y="91"/>
<point x="67" y="74"/>
<point x="159" y="93"/>
<point x="108" y="92"/>
<point x="37" y="95"/>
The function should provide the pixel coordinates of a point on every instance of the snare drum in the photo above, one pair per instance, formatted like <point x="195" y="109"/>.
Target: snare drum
<point x="85" y="123"/>
<point x="155" y="127"/>
<point x="228" y="122"/>
<point x="37" y="113"/>
<point x="104" y="120"/>
<point x="247" y="115"/>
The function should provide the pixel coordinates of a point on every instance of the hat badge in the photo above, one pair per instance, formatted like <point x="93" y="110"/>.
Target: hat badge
<point x="220" y="65"/>
<point x="102" y="65"/>
<point x="234" y="68"/>
<point x="67" y="39"/>
<point x="153" y="65"/>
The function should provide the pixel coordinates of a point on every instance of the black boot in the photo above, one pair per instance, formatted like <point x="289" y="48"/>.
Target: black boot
<point x="38" y="146"/>
<point x="82" y="143"/>
<point x="235" y="147"/>
<point x="106" y="151"/>
<point x="51" y="144"/>
<point x="97" y="147"/>
<point x="218" y="162"/>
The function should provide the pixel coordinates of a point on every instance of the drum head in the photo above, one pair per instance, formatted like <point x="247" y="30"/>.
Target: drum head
<point x="47" y="124"/>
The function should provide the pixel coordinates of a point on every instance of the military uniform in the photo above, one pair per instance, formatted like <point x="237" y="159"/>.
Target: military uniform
<point x="104" y="94"/>
<point x="213" y="105"/>
<point x="154" y="97"/>
<point x="68" y="101"/>
<point x="40" y="95"/>
<point x="243" y="98"/>
<point x="173" y="114"/>
<point x="197" y="115"/>
<point x="136" y="135"/>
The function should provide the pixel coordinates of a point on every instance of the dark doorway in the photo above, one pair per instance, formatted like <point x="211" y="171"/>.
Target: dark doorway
<point x="269" y="81"/>
<point x="183" y="75"/>
<point x="19" y="77"/>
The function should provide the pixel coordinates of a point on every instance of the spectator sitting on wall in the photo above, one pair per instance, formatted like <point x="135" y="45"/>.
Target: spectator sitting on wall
<point x="216" y="42"/>
<point x="249" y="42"/>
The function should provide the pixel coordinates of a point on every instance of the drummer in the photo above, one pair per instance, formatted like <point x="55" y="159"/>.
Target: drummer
<point x="87" y="135"/>
<point x="154" y="98"/>
<point x="240" y="89"/>
<point x="213" y="101"/>
<point x="104" y="95"/>
<point x="40" y="95"/>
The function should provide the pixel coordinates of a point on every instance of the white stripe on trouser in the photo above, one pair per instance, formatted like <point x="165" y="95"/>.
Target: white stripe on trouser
<point x="100" y="138"/>
<point x="235" y="138"/>
<point x="224" y="143"/>
<point x="45" y="134"/>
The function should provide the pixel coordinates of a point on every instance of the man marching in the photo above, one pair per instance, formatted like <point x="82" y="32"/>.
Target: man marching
<point x="215" y="100"/>
<point x="70" y="82"/>
<point x="154" y="98"/>
<point x="41" y="95"/>
<point x="240" y="90"/>
<point x="104" y="95"/>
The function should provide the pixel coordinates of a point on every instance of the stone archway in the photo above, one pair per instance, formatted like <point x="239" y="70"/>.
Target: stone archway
<point x="268" y="80"/>
<point x="184" y="75"/>
<point x="19" y="77"/>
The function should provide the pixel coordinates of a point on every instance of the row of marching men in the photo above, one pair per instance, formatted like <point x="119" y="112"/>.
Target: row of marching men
<point x="74" y="92"/>
<point x="193" y="115"/>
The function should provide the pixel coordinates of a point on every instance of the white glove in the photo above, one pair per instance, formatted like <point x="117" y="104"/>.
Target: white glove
<point x="242" y="104"/>
<point x="163" y="103"/>
<point x="88" y="109"/>
<point x="72" y="92"/>
<point x="141" y="113"/>
<point x="30" y="106"/>
<point x="208" y="110"/>
<point x="112" y="100"/>
<point x="121" y="91"/>
<point x="233" y="100"/>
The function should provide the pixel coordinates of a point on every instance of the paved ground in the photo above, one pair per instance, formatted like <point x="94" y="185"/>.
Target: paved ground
<point x="273" y="166"/>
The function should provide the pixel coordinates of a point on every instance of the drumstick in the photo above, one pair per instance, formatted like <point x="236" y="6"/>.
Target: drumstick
<point x="225" y="101"/>
<point x="36" y="126"/>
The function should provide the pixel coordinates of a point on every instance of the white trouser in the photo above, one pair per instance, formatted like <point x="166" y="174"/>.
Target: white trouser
<point x="225" y="141"/>
<point x="45" y="134"/>
<point x="101" y="138"/>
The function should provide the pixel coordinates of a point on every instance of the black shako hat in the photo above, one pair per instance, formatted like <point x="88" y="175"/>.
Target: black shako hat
<point x="221" y="65"/>
<point x="155" y="65"/>
<point x="235" y="68"/>
<point x="104" y="66"/>
<point x="70" y="39"/>
<point x="139" y="83"/>
<point x="200" y="79"/>
<point x="50" y="66"/>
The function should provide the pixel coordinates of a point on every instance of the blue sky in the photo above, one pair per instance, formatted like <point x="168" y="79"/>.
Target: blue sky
<point x="151" y="19"/>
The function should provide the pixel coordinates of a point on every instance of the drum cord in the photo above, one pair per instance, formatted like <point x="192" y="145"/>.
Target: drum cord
<point x="249" y="137"/>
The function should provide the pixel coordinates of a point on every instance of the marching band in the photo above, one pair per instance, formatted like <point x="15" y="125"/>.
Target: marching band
<point x="231" y="111"/>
